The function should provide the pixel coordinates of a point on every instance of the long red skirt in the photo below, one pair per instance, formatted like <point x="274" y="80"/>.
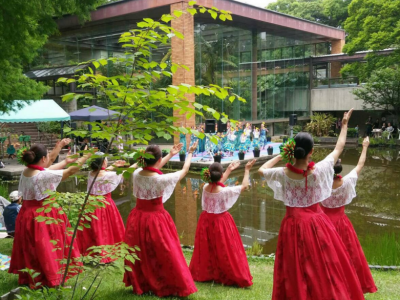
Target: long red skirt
<point x="32" y="248"/>
<point x="349" y="237"/>
<point x="218" y="252"/>
<point x="311" y="261"/>
<point x="108" y="229"/>
<point x="162" y="268"/>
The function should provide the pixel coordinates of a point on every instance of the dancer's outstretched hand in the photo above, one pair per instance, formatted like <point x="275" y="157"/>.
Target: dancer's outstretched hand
<point x="234" y="165"/>
<point x="250" y="164"/>
<point x="176" y="148"/>
<point x="119" y="163"/>
<point x="366" y="142"/>
<point x="346" y="117"/>
<point x="194" y="146"/>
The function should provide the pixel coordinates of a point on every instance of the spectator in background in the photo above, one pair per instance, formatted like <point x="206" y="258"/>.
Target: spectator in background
<point x="383" y="126"/>
<point x="11" y="212"/>
<point x="3" y="204"/>
<point x="376" y="124"/>
<point x="339" y="124"/>
<point x="356" y="128"/>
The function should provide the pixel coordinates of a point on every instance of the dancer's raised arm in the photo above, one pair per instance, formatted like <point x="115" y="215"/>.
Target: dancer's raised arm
<point x="342" y="137"/>
<point x="363" y="156"/>
<point x="269" y="164"/>
<point x="174" y="150"/>
<point x="74" y="169"/>
<point x="56" y="151"/>
<point x="188" y="160"/>
<point x="234" y="165"/>
<point x="247" y="168"/>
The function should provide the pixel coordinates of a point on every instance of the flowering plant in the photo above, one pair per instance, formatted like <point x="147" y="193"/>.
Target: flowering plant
<point x="287" y="151"/>
<point x="206" y="175"/>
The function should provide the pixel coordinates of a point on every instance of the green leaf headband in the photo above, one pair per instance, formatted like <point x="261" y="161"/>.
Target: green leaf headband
<point x="287" y="151"/>
<point x="20" y="154"/>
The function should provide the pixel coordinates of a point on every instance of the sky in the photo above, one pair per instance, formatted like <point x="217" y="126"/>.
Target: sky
<point x="261" y="3"/>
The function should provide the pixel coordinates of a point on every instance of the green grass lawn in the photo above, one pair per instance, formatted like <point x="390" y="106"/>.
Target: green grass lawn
<point x="262" y="271"/>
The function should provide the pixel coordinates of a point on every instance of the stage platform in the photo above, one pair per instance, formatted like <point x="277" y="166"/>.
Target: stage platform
<point x="203" y="160"/>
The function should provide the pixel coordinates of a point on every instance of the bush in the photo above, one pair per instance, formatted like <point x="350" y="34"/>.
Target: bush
<point x="320" y="124"/>
<point x="351" y="132"/>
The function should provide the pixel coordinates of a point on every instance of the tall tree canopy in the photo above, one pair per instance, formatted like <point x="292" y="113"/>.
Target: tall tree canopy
<point x="25" y="27"/>
<point x="328" y="12"/>
<point x="372" y="25"/>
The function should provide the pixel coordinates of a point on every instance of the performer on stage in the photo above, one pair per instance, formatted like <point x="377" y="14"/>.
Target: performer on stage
<point x="239" y="131"/>
<point x="219" y="254"/>
<point x="263" y="136"/>
<point x="202" y="141"/>
<point x="311" y="261"/>
<point x="247" y="132"/>
<point x="343" y="192"/>
<point x="162" y="268"/>
<point x="107" y="228"/>
<point x="194" y="139"/>
<point x="230" y="142"/>
<point x="256" y="138"/>
<point x="243" y="142"/>
<point x="182" y="140"/>
<point x="32" y="248"/>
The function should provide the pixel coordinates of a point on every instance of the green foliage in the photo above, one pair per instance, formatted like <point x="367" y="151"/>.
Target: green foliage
<point x="328" y="12"/>
<point x="372" y="25"/>
<point x="382" y="249"/>
<point x="49" y="127"/>
<point x="255" y="250"/>
<point x="382" y="91"/>
<point x="4" y="191"/>
<point x="22" y="38"/>
<point x="320" y="124"/>
<point x="351" y="132"/>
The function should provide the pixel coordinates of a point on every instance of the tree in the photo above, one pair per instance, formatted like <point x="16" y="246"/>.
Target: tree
<point x="25" y="27"/>
<point x="372" y="25"/>
<point x="328" y="12"/>
<point x="382" y="91"/>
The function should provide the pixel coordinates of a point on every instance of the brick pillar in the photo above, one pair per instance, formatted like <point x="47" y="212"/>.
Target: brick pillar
<point x="254" y="76"/>
<point x="183" y="53"/>
<point x="337" y="47"/>
<point x="186" y="212"/>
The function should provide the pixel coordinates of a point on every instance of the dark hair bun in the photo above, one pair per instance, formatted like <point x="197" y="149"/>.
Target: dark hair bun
<point x="155" y="151"/>
<point x="96" y="164"/>
<point x="338" y="167"/>
<point x="216" y="171"/>
<point x="28" y="157"/>
<point x="299" y="153"/>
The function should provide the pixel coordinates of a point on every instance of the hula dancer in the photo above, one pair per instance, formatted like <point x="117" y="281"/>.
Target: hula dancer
<point x="263" y="135"/>
<point x="256" y="138"/>
<point x="230" y="142"/>
<point x="218" y="249"/>
<point x="243" y="142"/>
<point x="239" y="131"/>
<point x="182" y="140"/>
<point x="247" y="132"/>
<point x="311" y="261"/>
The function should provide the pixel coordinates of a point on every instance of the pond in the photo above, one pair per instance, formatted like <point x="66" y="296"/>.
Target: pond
<point x="375" y="212"/>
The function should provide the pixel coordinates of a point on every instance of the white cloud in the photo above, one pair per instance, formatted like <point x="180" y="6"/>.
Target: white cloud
<point x="261" y="3"/>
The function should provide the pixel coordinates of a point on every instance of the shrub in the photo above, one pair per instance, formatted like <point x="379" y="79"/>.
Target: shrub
<point x="351" y="132"/>
<point x="320" y="124"/>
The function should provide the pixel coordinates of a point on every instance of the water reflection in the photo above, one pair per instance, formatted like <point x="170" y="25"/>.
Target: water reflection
<point x="374" y="212"/>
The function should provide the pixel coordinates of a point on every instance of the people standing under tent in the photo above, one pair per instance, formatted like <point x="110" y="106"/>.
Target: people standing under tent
<point x="230" y="142"/>
<point x="182" y="140"/>
<point x="263" y="136"/>
<point x="107" y="227"/>
<point x="243" y="143"/>
<point x="311" y="261"/>
<point x="343" y="192"/>
<point x="256" y="138"/>
<point x="32" y="248"/>
<point x="162" y="268"/>
<point x="194" y="139"/>
<point x="239" y="131"/>
<point x="219" y="254"/>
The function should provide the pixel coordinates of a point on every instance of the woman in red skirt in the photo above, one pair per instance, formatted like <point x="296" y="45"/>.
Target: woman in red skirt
<point x="218" y="249"/>
<point x="108" y="228"/>
<point x="343" y="192"/>
<point x="32" y="246"/>
<point x="311" y="261"/>
<point x="162" y="268"/>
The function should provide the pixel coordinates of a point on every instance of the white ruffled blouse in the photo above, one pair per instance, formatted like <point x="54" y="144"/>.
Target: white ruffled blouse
<point x="33" y="188"/>
<point x="105" y="184"/>
<point x="217" y="203"/>
<point x="344" y="194"/>
<point x="293" y="193"/>
<point x="152" y="187"/>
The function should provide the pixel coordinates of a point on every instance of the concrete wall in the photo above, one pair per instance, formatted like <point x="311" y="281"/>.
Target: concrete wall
<point x="334" y="99"/>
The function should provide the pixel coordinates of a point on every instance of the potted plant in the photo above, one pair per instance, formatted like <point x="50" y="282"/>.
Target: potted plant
<point x="241" y="155"/>
<point x="268" y="139"/>
<point x="164" y="152"/>
<point x="182" y="155"/>
<point x="270" y="150"/>
<point x="217" y="157"/>
<point x="256" y="152"/>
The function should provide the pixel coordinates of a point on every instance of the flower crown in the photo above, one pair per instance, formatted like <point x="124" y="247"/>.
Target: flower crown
<point x="287" y="151"/>
<point x="20" y="154"/>
<point x="206" y="175"/>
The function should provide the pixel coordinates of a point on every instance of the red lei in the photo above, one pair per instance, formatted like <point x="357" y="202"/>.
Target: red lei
<point x="35" y="167"/>
<point x="153" y="170"/>
<point x="300" y="171"/>
<point x="337" y="176"/>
